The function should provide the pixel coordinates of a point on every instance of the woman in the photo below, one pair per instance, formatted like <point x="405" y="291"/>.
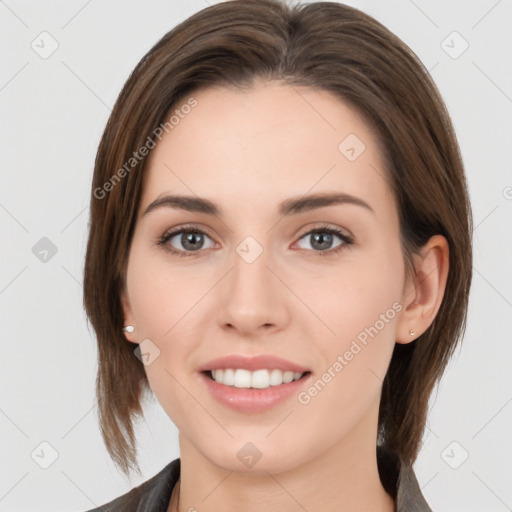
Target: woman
<point x="280" y="251"/>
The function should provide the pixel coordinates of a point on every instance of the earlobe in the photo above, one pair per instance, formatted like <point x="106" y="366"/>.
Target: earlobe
<point x="129" y="329"/>
<point x="426" y="290"/>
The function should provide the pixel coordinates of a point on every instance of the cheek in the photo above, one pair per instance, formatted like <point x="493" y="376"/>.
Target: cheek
<point x="360" y="292"/>
<point x="356" y="358"/>
<point x="360" y="304"/>
<point x="161" y="295"/>
<point x="166" y="306"/>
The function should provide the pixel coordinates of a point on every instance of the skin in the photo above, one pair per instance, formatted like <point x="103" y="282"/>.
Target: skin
<point x="247" y="151"/>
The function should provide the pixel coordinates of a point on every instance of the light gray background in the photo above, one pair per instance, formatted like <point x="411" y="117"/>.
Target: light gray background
<point x="53" y="112"/>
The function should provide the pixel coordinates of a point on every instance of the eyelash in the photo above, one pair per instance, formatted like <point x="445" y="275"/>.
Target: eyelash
<point x="191" y="229"/>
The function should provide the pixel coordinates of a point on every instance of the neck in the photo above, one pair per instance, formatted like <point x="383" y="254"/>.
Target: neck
<point x="345" y="477"/>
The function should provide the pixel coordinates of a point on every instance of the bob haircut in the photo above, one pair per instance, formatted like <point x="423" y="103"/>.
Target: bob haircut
<point x="325" y="46"/>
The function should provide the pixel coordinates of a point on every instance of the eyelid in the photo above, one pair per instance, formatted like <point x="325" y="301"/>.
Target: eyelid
<point x="324" y="226"/>
<point x="187" y="227"/>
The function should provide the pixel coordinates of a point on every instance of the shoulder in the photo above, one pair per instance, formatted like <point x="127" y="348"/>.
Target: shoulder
<point x="152" y="495"/>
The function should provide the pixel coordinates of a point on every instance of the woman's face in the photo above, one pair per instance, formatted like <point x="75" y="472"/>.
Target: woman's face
<point x="256" y="279"/>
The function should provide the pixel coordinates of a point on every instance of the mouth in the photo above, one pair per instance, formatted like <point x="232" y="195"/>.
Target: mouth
<point x="253" y="384"/>
<point x="252" y="392"/>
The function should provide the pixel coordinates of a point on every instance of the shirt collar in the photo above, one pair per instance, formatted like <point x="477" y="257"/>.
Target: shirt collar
<point x="400" y="482"/>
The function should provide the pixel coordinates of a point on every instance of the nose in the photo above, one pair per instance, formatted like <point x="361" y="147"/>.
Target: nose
<point x="253" y="298"/>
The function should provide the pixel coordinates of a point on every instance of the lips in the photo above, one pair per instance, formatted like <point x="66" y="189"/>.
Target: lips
<point x="251" y="400"/>
<point x="227" y="380"/>
<point x="261" y="362"/>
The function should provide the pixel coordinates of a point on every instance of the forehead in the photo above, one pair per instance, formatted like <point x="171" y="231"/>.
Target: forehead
<point x="264" y="144"/>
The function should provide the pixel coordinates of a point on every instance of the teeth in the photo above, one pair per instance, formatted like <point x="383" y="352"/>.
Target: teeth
<point x="260" y="379"/>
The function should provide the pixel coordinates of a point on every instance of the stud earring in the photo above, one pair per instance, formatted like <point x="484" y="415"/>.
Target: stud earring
<point x="128" y="328"/>
<point x="411" y="332"/>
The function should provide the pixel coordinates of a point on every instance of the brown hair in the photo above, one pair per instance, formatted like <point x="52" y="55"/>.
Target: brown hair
<point x="327" y="46"/>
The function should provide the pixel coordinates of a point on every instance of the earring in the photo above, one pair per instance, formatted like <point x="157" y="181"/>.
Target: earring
<point x="128" y="328"/>
<point x="411" y="332"/>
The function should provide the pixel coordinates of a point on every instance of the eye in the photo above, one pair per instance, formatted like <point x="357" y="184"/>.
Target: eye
<point x="187" y="239"/>
<point x="321" y="240"/>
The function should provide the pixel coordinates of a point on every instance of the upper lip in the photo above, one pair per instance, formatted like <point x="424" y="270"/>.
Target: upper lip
<point x="253" y="363"/>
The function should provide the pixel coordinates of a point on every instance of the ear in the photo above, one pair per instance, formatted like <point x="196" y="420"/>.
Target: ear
<point x="128" y="317"/>
<point x="424" y="291"/>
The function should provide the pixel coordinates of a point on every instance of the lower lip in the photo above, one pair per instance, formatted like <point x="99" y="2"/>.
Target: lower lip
<point x="252" y="399"/>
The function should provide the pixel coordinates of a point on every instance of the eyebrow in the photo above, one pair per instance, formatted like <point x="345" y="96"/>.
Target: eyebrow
<point x="290" y="206"/>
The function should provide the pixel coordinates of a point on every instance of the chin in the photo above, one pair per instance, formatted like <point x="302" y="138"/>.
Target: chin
<point x="253" y="458"/>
